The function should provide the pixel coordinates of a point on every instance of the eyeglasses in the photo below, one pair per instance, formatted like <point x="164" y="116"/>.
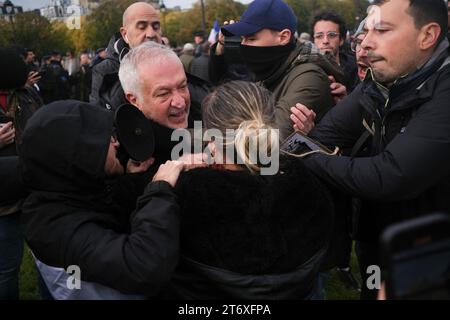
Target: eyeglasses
<point x="330" y="35"/>
<point x="355" y="45"/>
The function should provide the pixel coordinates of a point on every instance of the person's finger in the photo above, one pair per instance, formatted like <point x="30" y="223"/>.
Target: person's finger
<point x="8" y="135"/>
<point x="296" y="120"/>
<point x="305" y="110"/>
<point x="232" y="21"/>
<point x="178" y="165"/>
<point x="225" y="23"/>
<point x="9" y="141"/>
<point x="301" y="109"/>
<point x="300" y="127"/>
<point x="299" y="115"/>
<point x="331" y="78"/>
<point x="6" y="127"/>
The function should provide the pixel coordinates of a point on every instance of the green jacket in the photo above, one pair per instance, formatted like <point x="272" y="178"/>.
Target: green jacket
<point x="302" y="79"/>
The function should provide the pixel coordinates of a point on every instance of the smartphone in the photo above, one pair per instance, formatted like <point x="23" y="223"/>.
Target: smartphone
<point x="298" y="143"/>
<point x="416" y="258"/>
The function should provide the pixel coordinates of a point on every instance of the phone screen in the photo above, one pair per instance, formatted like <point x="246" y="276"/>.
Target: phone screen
<point x="298" y="143"/>
<point x="416" y="255"/>
<point x="423" y="272"/>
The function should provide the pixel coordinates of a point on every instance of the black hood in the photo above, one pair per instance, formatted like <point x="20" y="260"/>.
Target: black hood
<point x="64" y="147"/>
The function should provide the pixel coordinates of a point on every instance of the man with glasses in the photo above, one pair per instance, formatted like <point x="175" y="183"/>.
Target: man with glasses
<point x="329" y="32"/>
<point x="362" y="59"/>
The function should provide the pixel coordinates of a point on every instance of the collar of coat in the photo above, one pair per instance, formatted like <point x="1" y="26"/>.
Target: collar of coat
<point x="307" y="52"/>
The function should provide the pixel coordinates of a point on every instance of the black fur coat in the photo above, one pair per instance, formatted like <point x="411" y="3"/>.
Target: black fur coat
<point x="253" y="224"/>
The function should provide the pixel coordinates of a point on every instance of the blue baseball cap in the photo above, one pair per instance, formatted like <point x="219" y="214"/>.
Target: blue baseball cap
<point x="263" y="14"/>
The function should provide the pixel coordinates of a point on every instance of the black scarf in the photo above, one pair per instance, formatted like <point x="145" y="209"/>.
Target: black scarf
<point x="264" y="61"/>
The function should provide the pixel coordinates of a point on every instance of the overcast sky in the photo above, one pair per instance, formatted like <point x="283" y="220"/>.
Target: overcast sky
<point x="33" y="4"/>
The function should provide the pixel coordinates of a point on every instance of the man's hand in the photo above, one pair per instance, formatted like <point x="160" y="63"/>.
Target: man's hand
<point x="169" y="172"/>
<point x="7" y="134"/>
<point x="303" y="118"/>
<point x="33" y="78"/>
<point x="221" y="40"/>
<point x="338" y="90"/>
<point x="138" y="167"/>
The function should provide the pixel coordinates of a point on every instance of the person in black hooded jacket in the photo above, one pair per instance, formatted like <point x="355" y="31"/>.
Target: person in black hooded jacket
<point x="78" y="214"/>
<point x="244" y="234"/>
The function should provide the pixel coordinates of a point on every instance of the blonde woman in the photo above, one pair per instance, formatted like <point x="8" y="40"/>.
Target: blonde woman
<point x="246" y="235"/>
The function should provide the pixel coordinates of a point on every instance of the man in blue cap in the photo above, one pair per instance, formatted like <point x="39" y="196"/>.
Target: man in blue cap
<point x="292" y="71"/>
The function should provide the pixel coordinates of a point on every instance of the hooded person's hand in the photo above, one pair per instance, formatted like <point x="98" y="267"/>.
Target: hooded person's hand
<point x="169" y="172"/>
<point x="139" y="166"/>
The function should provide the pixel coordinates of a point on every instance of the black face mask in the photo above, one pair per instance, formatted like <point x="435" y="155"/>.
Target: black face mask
<point x="264" y="61"/>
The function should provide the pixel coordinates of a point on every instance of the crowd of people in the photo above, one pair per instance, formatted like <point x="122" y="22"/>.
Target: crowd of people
<point x="189" y="228"/>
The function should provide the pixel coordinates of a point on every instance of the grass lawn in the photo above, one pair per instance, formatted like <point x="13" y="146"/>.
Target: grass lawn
<point x="29" y="290"/>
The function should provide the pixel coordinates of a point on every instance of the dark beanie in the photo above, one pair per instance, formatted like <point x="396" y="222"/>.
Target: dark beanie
<point x="13" y="70"/>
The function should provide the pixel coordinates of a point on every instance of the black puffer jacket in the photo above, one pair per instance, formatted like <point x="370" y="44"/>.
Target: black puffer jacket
<point x="106" y="90"/>
<point x="248" y="236"/>
<point x="75" y="217"/>
<point x="401" y="140"/>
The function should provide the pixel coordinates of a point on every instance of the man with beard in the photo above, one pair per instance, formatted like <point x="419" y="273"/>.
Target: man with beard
<point x="396" y="124"/>
<point x="292" y="71"/>
<point x="361" y="54"/>
<point x="329" y="32"/>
